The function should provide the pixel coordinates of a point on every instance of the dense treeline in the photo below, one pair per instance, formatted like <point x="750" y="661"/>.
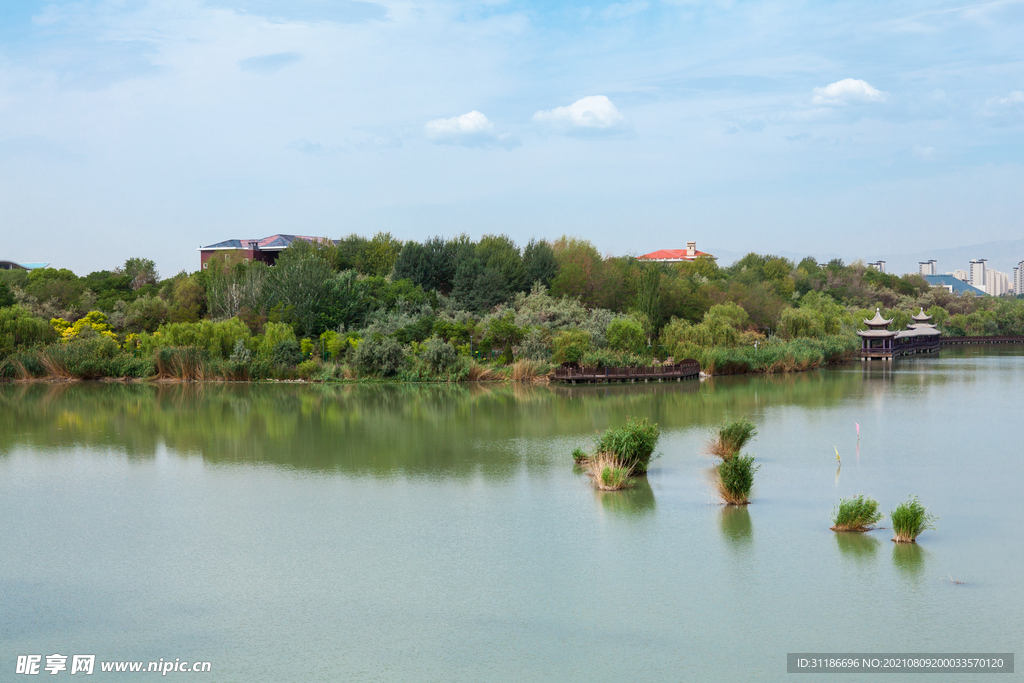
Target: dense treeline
<point x="457" y="309"/>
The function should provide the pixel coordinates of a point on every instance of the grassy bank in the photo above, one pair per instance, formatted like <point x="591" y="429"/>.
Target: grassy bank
<point x="774" y="355"/>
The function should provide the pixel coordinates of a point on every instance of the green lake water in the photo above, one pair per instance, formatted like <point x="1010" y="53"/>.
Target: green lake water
<point x="440" y="533"/>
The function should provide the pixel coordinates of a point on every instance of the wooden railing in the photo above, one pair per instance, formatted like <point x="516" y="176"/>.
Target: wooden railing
<point x="682" y="370"/>
<point x="982" y="340"/>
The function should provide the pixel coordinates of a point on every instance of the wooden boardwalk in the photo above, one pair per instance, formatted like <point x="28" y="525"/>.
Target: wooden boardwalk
<point x="945" y="341"/>
<point x="687" y="369"/>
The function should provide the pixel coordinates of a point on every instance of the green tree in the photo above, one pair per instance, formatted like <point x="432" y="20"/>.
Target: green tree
<point x="301" y="283"/>
<point x="540" y="263"/>
<point x="140" y="272"/>
<point x="379" y="255"/>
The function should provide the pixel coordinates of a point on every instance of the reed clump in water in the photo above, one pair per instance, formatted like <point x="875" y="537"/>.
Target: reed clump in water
<point x="609" y="472"/>
<point x="859" y="513"/>
<point x="731" y="438"/>
<point x="632" y="444"/>
<point x="621" y="453"/>
<point x="909" y="520"/>
<point x="736" y="479"/>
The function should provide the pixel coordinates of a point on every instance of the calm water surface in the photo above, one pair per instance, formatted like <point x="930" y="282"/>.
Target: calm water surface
<point x="435" y="533"/>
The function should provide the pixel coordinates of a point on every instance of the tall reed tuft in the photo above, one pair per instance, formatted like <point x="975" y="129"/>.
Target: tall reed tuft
<point x="478" y="372"/>
<point x="736" y="479"/>
<point x="731" y="438"/>
<point x="632" y="444"/>
<point x="525" y="370"/>
<point x="609" y="473"/>
<point x="182" y="363"/>
<point x="909" y="519"/>
<point x="859" y="513"/>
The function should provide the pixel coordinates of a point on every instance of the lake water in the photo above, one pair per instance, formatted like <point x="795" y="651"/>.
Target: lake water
<point x="440" y="533"/>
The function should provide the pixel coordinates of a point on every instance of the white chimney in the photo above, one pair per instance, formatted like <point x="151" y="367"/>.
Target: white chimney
<point x="691" y="249"/>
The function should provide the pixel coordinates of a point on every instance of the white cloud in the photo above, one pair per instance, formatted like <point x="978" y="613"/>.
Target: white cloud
<point x="847" y="91"/>
<point x="1015" y="97"/>
<point x="470" y="130"/>
<point x="592" y="113"/>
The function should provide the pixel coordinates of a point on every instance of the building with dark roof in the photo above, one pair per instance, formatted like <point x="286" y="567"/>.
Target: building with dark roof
<point x="264" y="250"/>
<point x="675" y="255"/>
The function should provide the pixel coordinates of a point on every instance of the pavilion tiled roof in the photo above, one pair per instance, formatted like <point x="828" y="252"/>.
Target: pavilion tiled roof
<point x="673" y="254"/>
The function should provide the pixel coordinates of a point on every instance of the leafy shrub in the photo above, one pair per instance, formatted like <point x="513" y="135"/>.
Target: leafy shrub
<point x="382" y="356"/>
<point x="273" y="335"/>
<point x="286" y="353"/>
<point x="736" y="479"/>
<point x="625" y="334"/>
<point x="218" y="338"/>
<point x="855" y="514"/>
<point x="536" y="345"/>
<point x="632" y="444"/>
<point x="909" y="519"/>
<point x="570" y="345"/>
<point x="240" y="354"/>
<point x="309" y="368"/>
<point x="438" y="356"/>
<point x="19" y="329"/>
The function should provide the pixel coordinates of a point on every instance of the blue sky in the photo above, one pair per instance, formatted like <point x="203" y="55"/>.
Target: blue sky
<point x="150" y="127"/>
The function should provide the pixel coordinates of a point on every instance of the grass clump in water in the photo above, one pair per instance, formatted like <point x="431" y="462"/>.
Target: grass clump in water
<point x="736" y="479"/>
<point x="632" y="444"/>
<point x="579" y="456"/>
<point x="859" y="513"/>
<point x="909" y="519"/>
<point x="609" y="473"/>
<point x="731" y="438"/>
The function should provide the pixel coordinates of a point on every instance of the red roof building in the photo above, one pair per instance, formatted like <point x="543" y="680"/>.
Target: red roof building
<point x="675" y="255"/>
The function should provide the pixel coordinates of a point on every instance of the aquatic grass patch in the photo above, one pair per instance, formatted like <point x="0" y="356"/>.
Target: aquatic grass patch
<point x="736" y="479"/>
<point x="478" y="372"/>
<point x="910" y="519"/>
<point x="859" y="513"/>
<point x="633" y="444"/>
<point x="731" y="438"/>
<point x="774" y="356"/>
<point x="609" y="472"/>
<point x="580" y="456"/>
<point x="90" y="358"/>
<point x="525" y="370"/>
<point x="185" y="363"/>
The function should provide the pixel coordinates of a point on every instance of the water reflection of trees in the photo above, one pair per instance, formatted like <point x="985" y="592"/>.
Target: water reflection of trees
<point x="860" y="547"/>
<point x="636" y="501"/>
<point x="382" y="429"/>
<point x="737" y="528"/>
<point x="909" y="560"/>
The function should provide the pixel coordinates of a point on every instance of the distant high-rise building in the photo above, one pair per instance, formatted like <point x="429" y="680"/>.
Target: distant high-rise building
<point x="927" y="267"/>
<point x="1018" y="275"/>
<point x="977" y="276"/>
<point x="996" y="283"/>
<point x="878" y="265"/>
<point x="961" y="275"/>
